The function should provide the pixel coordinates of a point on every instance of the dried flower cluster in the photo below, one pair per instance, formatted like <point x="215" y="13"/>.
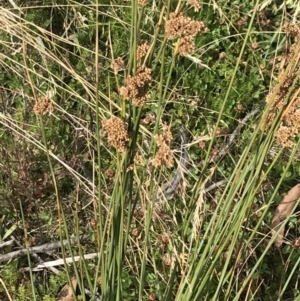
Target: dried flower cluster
<point x="152" y="297"/>
<point x="242" y="21"/>
<point x="142" y="49"/>
<point x="117" y="134"/>
<point x="117" y="65"/>
<point x="163" y="155"/>
<point x="290" y="126"/>
<point x="184" y="28"/>
<point x="136" y="87"/>
<point x="169" y="260"/>
<point x="263" y="18"/>
<point x="149" y="119"/>
<point x="138" y="159"/>
<point x="109" y="173"/>
<point x="43" y="105"/>
<point x="288" y="67"/>
<point x="180" y="26"/>
<point x="254" y="46"/>
<point x="143" y="2"/>
<point x="195" y="4"/>
<point x="292" y="30"/>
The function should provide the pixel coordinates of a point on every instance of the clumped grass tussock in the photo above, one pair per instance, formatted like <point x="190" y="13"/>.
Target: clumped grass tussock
<point x="161" y="135"/>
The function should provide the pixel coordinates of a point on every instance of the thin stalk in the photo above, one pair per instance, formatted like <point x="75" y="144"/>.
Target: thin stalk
<point x="133" y="37"/>
<point x="60" y="214"/>
<point x="32" y="280"/>
<point x="98" y="206"/>
<point x="145" y="250"/>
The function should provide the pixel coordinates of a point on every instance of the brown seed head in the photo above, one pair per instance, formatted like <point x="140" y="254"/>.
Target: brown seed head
<point x="117" y="65"/>
<point x="222" y="55"/>
<point x="117" y="134"/>
<point x="195" y="4"/>
<point x="291" y="123"/>
<point x="292" y="30"/>
<point x="152" y="297"/>
<point x="239" y="108"/>
<point x="263" y="19"/>
<point x="254" y="45"/>
<point x="262" y="67"/>
<point x="241" y="22"/>
<point x="139" y="214"/>
<point x="283" y="135"/>
<point x="163" y="155"/>
<point x="167" y="260"/>
<point x="187" y="45"/>
<point x="296" y="243"/>
<point x="184" y="28"/>
<point x="180" y="26"/>
<point x="138" y="159"/>
<point x="202" y="144"/>
<point x="136" y="87"/>
<point x="109" y="173"/>
<point x="167" y="135"/>
<point x="135" y="232"/>
<point x="165" y="238"/>
<point x="43" y="105"/>
<point x="143" y="2"/>
<point x="142" y="49"/>
<point x="149" y="119"/>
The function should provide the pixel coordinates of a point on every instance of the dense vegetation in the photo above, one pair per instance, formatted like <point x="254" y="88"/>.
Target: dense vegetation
<point x="154" y="140"/>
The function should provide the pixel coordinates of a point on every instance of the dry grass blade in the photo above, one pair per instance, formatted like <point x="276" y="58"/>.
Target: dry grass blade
<point x="284" y="208"/>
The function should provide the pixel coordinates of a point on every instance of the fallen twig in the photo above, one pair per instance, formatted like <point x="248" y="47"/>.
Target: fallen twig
<point x="233" y="136"/>
<point x="59" y="262"/>
<point x="168" y="189"/>
<point x="39" y="249"/>
<point x="51" y="264"/>
<point x="7" y="243"/>
<point x="215" y="185"/>
<point x="37" y="257"/>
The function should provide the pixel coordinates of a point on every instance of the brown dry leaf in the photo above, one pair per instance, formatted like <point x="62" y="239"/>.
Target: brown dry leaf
<point x="66" y="292"/>
<point x="296" y="243"/>
<point x="284" y="208"/>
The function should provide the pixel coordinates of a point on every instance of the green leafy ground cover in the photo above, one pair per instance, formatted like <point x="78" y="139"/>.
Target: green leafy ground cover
<point x="62" y="177"/>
